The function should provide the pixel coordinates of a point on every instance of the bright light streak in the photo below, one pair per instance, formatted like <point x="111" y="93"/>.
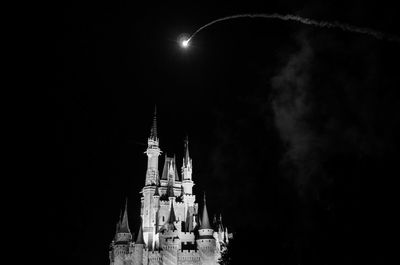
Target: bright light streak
<point x="185" y="44"/>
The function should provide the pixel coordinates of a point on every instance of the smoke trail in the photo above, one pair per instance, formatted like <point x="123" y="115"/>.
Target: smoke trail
<point x="321" y="24"/>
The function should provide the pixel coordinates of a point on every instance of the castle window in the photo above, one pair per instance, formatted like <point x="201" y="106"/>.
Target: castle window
<point x="163" y="218"/>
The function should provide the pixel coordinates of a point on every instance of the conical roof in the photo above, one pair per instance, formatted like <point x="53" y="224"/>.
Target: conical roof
<point x="175" y="169"/>
<point x="205" y="222"/>
<point x="172" y="217"/>
<point x="169" y="225"/>
<point x="140" y="239"/>
<point x="186" y="157"/>
<point x="170" y="168"/>
<point x="124" y="227"/>
<point x="164" y="174"/>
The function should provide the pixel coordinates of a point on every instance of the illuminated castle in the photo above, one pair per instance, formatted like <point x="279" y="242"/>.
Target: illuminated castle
<point x="172" y="230"/>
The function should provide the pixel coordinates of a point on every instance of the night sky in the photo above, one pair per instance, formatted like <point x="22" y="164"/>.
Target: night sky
<point x="293" y="129"/>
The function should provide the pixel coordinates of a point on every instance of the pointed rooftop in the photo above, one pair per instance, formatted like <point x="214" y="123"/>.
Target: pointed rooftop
<point x="175" y="169"/>
<point x="170" y="168"/>
<point x="140" y="239"/>
<point x="169" y="225"/>
<point x="172" y="217"/>
<point x="186" y="157"/>
<point x="205" y="222"/>
<point x="124" y="227"/>
<point x="153" y="131"/>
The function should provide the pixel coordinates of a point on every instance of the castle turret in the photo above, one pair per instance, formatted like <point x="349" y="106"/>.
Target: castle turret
<point x="206" y="242"/>
<point x="187" y="182"/>
<point x="169" y="239"/>
<point x="169" y="176"/>
<point x="123" y="236"/>
<point x="123" y="231"/>
<point x="152" y="152"/>
<point x="152" y="180"/>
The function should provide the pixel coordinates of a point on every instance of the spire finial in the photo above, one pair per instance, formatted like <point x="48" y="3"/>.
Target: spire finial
<point x="153" y="132"/>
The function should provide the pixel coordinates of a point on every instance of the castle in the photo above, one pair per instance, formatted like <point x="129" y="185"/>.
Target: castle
<point x="172" y="230"/>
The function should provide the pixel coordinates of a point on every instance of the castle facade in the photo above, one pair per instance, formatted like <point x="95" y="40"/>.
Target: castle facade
<point x="172" y="230"/>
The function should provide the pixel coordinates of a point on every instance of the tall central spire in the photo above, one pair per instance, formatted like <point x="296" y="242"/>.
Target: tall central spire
<point x="153" y="151"/>
<point x="153" y="131"/>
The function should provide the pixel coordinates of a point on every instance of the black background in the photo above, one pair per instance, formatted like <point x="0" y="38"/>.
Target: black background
<point x="292" y="128"/>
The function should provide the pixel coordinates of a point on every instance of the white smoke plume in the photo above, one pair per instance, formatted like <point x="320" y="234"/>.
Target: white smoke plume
<point x="308" y="21"/>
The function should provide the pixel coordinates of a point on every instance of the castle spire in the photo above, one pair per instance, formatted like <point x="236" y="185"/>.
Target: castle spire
<point x="140" y="239"/>
<point x="172" y="217"/>
<point x="152" y="152"/>
<point x="205" y="222"/>
<point x="153" y="131"/>
<point x="186" y="158"/>
<point x="169" y="225"/>
<point x="175" y="168"/>
<point x="124" y="227"/>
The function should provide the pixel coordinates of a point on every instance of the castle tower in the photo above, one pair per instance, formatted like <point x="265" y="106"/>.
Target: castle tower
<point x="187" y="182"/>
<point x="124" y="233"/>
<point x="123" y="236"/>
<point x="149" y="205"/>
<point x="152" y="152"/>
<point x="170" y="241"/>
<point x="206" y="242"/>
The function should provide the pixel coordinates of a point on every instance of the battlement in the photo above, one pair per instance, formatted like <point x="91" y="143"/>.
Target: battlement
<point x="186" y="234"/>
<point x="189" y="254"/>
<point x="164" y="203"/>
<point x="172" y="240"/>
<point x="155" y="255"/>
<point x="179" y="204"/>
<point x="187" y="237"/>
<point x="188" y="246"/>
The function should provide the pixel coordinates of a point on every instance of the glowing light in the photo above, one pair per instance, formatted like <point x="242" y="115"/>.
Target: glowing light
<point x="184" y="40"/>
<point x="185" y="43"/>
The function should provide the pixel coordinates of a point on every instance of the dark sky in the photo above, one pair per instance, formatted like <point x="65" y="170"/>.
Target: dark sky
<point x="293" y="129"/>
